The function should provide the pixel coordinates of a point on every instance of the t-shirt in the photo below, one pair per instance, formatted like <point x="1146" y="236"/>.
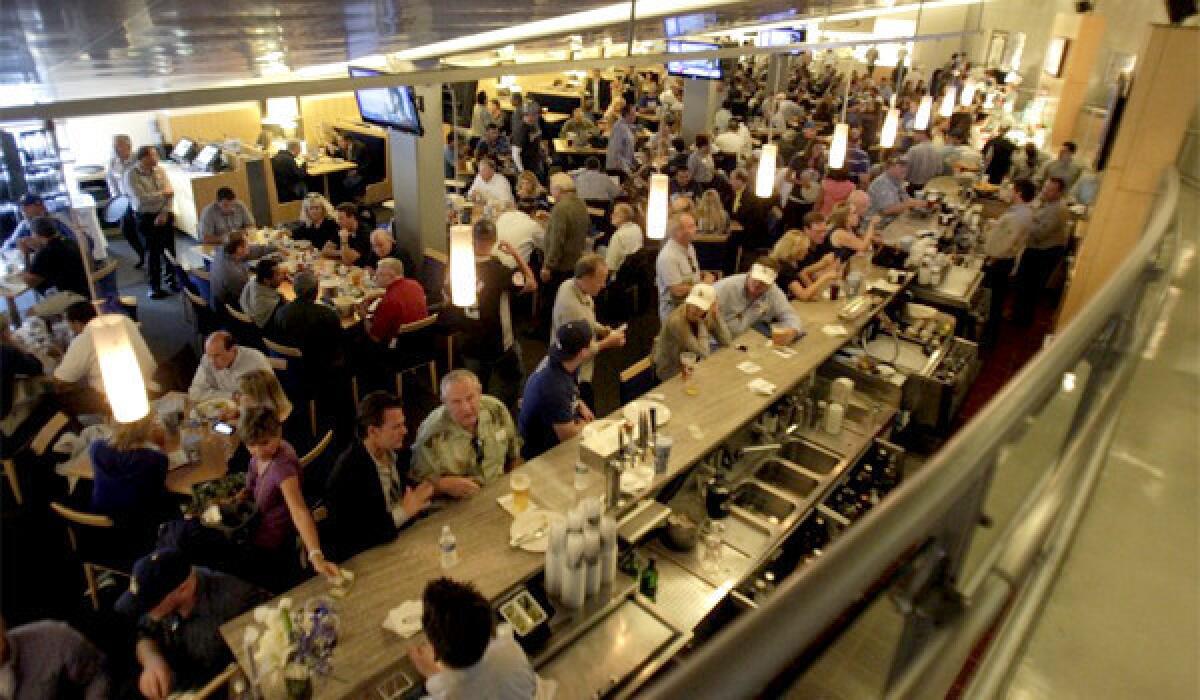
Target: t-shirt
<point x="403" y="302"/>
<point x="319" y="235"/>
<point x="504" y="673"/>
<point x="59" y="265"/>
<point x="551" y="397"/>
<point x="275" y="521"/>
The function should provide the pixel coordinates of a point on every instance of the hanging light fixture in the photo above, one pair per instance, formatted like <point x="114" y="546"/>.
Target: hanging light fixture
<point x="462" y="266"/>
<point x="989" y="100"/>
<point x="837" y="147"/>
<point x="764" y="184"/>
<point x="921" y="121"/>
<point x="891" y="125"/>
<point x="968" y="92"/>
<point x="947" y="109"/>
<point x="656" y="207"/>
<point x="119" y="368"/>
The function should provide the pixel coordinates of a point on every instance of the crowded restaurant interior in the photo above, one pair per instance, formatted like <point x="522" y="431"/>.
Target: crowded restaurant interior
<point x="520" y="355"/>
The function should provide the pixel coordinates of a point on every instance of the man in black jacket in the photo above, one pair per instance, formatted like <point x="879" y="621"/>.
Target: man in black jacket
<point x="369" y="495"/>
<point x="289" y="175"/>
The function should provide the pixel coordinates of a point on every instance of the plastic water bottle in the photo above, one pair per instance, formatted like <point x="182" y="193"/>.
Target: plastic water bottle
<point x="581" y="478"/>
<point x="448" y="544"/>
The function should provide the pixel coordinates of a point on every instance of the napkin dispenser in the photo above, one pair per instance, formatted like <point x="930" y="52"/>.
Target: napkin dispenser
<point x="600" y="443"/>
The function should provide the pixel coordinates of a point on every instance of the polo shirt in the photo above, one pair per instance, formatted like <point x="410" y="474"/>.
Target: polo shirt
<point x="503" y="673"/>
<point x="925" y="162"/>
<point x="857" y="161"/>
<point x="49" y="659"/>
<point x="521" y="231"/>
<point x="496" y="189"/>
<point x="24" y="230"/>
<point x="487" y="326"/>
<point x="444" y="448"/>
<point x="622" y="145"/>
<point x="593" y="184"/>
<point x="551" y="397"/>
<point x="885" y="191"/>
<point x="675" y="264"/>
<point x="1049" y="229"/>
<point x="215" y="222"/>
<point x="1008" y="235"/>
<point x="213" y="383"/>
<point x="403" y="302"/>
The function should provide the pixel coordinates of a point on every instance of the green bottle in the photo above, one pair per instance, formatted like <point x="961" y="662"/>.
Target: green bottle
<point x="649" y="581"/>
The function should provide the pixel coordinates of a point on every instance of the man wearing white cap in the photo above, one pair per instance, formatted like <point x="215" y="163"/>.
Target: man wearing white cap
<point x="694" y="326"/>
<point x="752" y="298"/>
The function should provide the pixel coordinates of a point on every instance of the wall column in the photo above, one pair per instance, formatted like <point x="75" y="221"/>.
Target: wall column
<point x="699" y="105"/>
<point x="418" y="182"/>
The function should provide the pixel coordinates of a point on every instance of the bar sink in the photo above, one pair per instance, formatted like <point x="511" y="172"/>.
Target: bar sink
<point x="756" y="501"/>
<point x="785" y="478"/>
<point x="810" y="457"/>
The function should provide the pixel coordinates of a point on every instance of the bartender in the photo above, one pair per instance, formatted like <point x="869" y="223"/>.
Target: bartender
<point x="223" y="217"/>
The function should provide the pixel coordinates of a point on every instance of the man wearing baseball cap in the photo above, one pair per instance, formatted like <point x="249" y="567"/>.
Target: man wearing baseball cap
<point x="551" y="410"/>
<point x="33" y="207"/>
<point x="694" y="326"/>
<point x="179" y="610"/>
<point x="753" y="300"/>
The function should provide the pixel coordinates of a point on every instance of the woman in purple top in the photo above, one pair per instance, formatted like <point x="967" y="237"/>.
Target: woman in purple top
<point x="273" y="482"/>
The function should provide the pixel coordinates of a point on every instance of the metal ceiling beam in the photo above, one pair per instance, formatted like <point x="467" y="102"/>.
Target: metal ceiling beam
<point x="202" y="97"/>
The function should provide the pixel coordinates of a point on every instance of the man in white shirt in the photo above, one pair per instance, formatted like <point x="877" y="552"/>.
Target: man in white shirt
<point x="222" y="367"/>
<point x="1003" y="244"/>
<point x="81" y="363"/>
<point x="626" y="239"/>
<point x="489" y="186"/>
<point x="519" y="230"/>
<point x="677" y="269"/>
<point x="730" y="141"/>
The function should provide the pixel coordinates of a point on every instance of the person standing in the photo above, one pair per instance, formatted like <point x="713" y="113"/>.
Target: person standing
<point x="527" y="146"/>
<point x="925" y="161"/>
<point x="622" y="144"/>
<point x="566" y="236"/>
<point x="576" y="301"/>
<point x="1002" y="244"/>
<point x="872" y="57"/>
<point x="998" y="156"/>
<point x="121" y="162"/>
<point x="1064" y="167"/>
<point x="290" y="175"/>
<point x="152" y="195"/>
<point x="1044" y="249"/>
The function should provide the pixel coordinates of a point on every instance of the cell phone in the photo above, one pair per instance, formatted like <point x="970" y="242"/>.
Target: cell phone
<point x="222" y="428"/>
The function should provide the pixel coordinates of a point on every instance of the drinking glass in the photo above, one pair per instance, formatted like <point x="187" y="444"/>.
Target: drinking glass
<point x="519" y="483"/>
<point x="687" y="363"/>
<point x="712" y="541"/>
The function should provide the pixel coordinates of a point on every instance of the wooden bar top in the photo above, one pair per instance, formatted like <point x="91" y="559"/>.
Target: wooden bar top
<point x="391" y="574"/>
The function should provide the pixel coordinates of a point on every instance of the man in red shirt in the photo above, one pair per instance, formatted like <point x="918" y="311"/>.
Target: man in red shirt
<point x="403" y="302"/>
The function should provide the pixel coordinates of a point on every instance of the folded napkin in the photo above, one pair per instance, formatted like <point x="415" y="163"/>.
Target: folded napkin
<point x="835" y="330"/>
<point x="749" y="367"/>
<point x="405" y="620"/>
<point x="761" y="386"/>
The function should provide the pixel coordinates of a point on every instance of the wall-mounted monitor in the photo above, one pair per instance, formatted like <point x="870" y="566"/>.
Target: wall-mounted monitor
<point x="390" y="107"/>
<point x="1056" y="55"/>
<point x="779" y="37"/>
<point x="207" y="158"/>
<point x="183" y="151"/>
<point x="688" y="24"/>
<point x="705" y="68"/>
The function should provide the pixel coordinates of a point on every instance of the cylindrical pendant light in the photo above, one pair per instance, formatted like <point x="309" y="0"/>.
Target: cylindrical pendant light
<point x="656" y="207"/>
<point x="765" y="182"/>
<point x="119" y="368"/>
<point x="921" y="121"/>
<point x="1009" y="103"/>
<point x="837" y="147"/>
<point x="462" y="266"/>
<point x="968" y="92"/>
<point x="891" y="124"/>
<point x="989" y="100"/>
<point x="947" y="109"/>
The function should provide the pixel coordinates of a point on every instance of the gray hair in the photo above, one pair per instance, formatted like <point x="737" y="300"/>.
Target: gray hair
<point x="392" y="265"/>
<point x="382" y="233"/>
<point x="455" y="376"/>
<point x="587" y="265"/>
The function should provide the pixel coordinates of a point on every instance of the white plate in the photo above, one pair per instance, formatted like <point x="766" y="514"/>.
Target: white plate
<point x="634" y="410"/>
<point x="635" y="480"/>
<point x="213" y="408"/>
<point x="530" y="521"/>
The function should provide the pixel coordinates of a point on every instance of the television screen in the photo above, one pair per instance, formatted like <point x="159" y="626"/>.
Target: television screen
<point x="688" y="24"/>
<point x="390" y="107"/>
<point x="779" y="37"/>
<point x="206" y="157"/>
<point x="706" y="68"/>
<point x="183" y="150"/>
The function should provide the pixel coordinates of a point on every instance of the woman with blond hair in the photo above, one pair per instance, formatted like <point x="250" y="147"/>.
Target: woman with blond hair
<point x="261" y="388"/>
<point x="843" y="225"/>
<point x="318" y="223"/>
<point x="530" y="195"/>
<point x="711" y="218"/>
<point x="790" y="251"/>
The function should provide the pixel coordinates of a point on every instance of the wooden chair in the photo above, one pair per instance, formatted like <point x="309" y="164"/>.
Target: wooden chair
<point x="204" y="321"/>
<point x="637" y="379"/>
<point x="413" y="348"/>
<point x="291" y="376"/>
<point x="316" y="452"/>
<point x="78" y="519"/>
<point x="245" y="331"/>
<point x="217" y="684"/>
<point x="38" y="445"/>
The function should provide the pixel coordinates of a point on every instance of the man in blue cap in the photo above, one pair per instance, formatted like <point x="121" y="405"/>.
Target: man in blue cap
<point x="179" y="610"/>
<point x="551" y="410"/>
<point x="33" y="207"/>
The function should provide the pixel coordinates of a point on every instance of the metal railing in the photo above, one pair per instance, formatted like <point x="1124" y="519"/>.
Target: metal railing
<point x="1091" y="360"/>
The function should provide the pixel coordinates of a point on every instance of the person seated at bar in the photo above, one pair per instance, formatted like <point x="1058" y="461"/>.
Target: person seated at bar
<point x="49" y="659"/>
<point x="368" y="493"/>
<point x="467" y="442"/>
<point x="273" y="483"/>
<point x="33" y="207"/>
<point x="489" y="185"/>
<point x="576" y="301"/>
<point x="551" y="410"/>
<point x="260" y="298"/>
<point x="889" y="198"/>
<point x="128" y="482"/>
<point x="179" y="610"/>
<point x="790" y="251"/>
<point x="493" y="144"/>
<point x="80" y="387"/>
<point x="844" y="236"/>
<point x="751" y="300"/>
<point x="229" y="272"/>
<point x="289" y="174"/>
<point x="261" y="389"/>
<point x="318" y="224"/>
<point x="467" y="656"/>
<point x="221" y="369"/>
<point x="223" y="217"/>
<point x="56" y="265"/>
<point x="353" y="236"/>
<point x="592" y="184"/>
<point x="695" y="326"/>
<point x="403" y="302"/>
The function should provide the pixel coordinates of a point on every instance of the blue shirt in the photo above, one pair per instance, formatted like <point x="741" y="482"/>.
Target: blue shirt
<point x="24" y="230"/>
<point x="741" y="313"/>
<point x="128" y="481"/>
<point x="885" y="192"/>
<point x="857" y="161"/>
<point x="622" y="145"/>
<point x="551" y="395"/>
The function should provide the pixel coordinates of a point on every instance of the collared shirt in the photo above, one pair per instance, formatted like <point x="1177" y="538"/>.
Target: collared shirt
<point x="213" y="383"/>
<point x="81" y="361"/>
<point x="857" y="160"/>
<point x="1069" y="172"/>
<point x="391" y="484"/>
<point x="885" y="191"/>
<point x="593" y="184"/>
<point x="675" y="264"/>
<point x="624" y="242"/>
<point x="403" y="302"/>
<point x="25" y="230"/>
<point x="1008" y="235"/>
<point x="522" y="232"/>
<point x="147" y="189"/>
<point x="678" y="335"/>
<point x="216" y="222"/>
<point x="729" y="142"/>
<point x="741" y="313"/>
<point x="504" y="673"/>
<point x="573" y="304"/>
<point x="227" y="277"/>
<point x="444" y="448"/>
<point x="116" y="174"/>
<point x="701" y="167"/>
<point x="497" y="188"/>
<point x="49" y="659"/>
<point x="925" y="162"/>
<point x="622" y="145"/>
<point x="1049" y="229"/>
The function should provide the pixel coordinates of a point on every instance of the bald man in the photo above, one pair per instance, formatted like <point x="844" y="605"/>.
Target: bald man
<point x="222" y="367"/>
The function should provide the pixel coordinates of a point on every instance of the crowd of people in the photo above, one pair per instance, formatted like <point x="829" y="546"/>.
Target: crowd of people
<point x="535" y="230"/>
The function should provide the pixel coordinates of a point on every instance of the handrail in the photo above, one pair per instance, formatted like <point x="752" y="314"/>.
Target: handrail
<point x="764" y="642"/>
